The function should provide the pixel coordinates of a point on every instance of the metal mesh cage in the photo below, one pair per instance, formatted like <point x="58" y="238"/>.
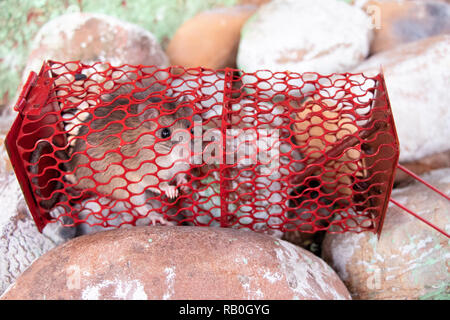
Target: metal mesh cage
<point x="109" y="146"/>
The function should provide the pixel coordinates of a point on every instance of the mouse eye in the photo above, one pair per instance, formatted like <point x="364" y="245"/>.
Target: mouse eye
<point x="165" y="133"/>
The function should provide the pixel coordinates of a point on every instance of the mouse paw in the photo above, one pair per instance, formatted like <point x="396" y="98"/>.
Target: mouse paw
<point x="171" y="192"/>
<point x="157" y="218"/>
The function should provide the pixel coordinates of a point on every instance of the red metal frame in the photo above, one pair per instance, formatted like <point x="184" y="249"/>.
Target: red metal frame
<point x="11" y="147"/>
<point x="395" y="162"/>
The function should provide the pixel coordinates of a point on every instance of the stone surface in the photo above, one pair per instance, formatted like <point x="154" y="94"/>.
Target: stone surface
<point x="410" y="260"/>
<point x="6" y="167"/>
<point x="417" y="81"/>
<point x="178" y="263"/>
<point x="424" y="165"/>
<point x="399" y="22"/>
<point x="305" y="36"/>
<point x="20" y="241"/>
<point x="94" y="37"/>
<point x="210" y="39"/>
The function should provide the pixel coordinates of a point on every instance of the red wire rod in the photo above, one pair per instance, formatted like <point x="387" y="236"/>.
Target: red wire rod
<point x="412" y="174"/>
<point x="420" y="218"/>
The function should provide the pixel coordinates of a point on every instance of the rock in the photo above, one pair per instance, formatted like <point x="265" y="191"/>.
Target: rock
<point x="305" y="36"/>
<point x="417" y="84"/>
<point x="399" y="22"/>
<point x="6" y="167"/>
<point x="210" y="39"/>
<point x="178" y="263"/>
<point x="20" y="241"/>
<point x="364" y="3"/>
<point x="410" y="260"/>
<point x="94" y="37"/>
<point x="254" y="2"/>
<point x="424" y="165"/>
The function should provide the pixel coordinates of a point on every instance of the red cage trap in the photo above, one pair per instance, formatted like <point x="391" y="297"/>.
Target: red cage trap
<point x="109" y="146"/>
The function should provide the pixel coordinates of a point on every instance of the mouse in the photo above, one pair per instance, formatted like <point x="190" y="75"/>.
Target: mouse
<point x="133" y="148"/>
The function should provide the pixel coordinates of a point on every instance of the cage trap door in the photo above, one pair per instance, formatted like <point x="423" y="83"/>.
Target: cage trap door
<point x="386" y="145"/>
<point x="36" y="121"/>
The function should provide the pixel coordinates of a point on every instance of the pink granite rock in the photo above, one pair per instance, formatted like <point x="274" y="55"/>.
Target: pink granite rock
<point x="178" y="263"/>
<point x="417" y="82"/>
<point x="93" y="37"/>
<point x="410" y="260"/>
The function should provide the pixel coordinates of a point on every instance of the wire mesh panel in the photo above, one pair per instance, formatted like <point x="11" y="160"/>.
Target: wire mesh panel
<point x="106" y="146"/>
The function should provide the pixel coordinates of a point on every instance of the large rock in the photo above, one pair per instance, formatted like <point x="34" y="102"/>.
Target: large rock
<point x="210" y="39"/>
<point x="305" y="36"/>
<point x="410" y="260"/>
<point x="399" y="22"/>
<point x="94" y="37"/>
<point x="417" y="81"/>
<point x="178" y="263"/>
